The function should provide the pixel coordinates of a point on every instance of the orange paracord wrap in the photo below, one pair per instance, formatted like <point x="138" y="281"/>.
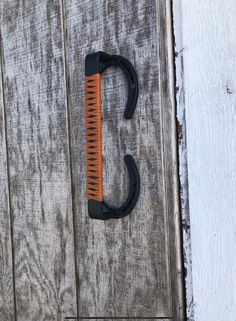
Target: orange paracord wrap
<point x="93" y="115"/>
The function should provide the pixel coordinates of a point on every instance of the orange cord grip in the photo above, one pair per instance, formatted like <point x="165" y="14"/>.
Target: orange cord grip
<point x="93" y="112"/>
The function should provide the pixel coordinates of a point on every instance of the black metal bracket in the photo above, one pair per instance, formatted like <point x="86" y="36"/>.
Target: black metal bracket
<point x="97" y="62"/>
<point x="100" y="210"/>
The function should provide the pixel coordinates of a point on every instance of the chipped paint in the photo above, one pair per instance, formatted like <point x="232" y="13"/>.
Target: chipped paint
<point x="183" y="171"/>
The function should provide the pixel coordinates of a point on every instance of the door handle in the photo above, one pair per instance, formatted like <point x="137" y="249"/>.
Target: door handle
<point x="95" y="64"/>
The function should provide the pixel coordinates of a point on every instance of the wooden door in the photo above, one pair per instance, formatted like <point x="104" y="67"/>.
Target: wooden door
<point x="55" y="261"/>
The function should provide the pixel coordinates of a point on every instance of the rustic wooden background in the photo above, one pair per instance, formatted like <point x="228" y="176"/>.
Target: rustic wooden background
<point x="55" y="261"/>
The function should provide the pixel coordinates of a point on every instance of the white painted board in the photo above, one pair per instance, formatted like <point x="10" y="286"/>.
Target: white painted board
<point x="206" y="40"/>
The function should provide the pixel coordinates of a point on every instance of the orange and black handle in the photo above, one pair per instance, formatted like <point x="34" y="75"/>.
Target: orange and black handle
<point x="95" y="64"/>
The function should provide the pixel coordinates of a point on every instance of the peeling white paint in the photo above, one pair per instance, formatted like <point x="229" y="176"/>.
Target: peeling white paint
<point x="183" y="171"/>
<point x="205" y="70"/>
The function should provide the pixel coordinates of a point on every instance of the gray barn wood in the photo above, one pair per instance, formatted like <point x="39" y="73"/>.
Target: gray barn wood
<point x="65" y="264"/>
<point x="126" y="267"/>
<point x="39" y="171"/>
<point x="6" y="276"/>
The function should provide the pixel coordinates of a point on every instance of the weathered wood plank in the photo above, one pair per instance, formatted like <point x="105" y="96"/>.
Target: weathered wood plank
<point x="39" y="166"/>
<point x="170" y="157"/>
<point x="7" y="307"/>
<point x="208" y="85"/>
<point x="126" y="267"/>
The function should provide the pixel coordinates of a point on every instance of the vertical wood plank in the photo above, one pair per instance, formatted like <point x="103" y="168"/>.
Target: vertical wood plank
<point x="39" y="166"/>
<point x="170" y="157"/>
<point x="7" y="306"/>
<point x="126" y="267"/>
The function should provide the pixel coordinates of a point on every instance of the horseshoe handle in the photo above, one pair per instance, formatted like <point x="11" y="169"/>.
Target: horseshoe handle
<point x="95" y="64"/>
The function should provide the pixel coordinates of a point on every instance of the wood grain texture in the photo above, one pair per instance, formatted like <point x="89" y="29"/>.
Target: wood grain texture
<point x="7" y="307"/>
<point x="126" y="267"/>
<point x="39" y="169"/>
<point x="208" y="71"/>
